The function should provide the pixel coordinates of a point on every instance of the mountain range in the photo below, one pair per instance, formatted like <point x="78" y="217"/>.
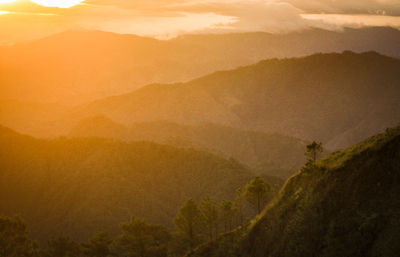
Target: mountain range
<point x="97" y="127"/>
<point x="338" y="99"/>
<point x="75" y="67"/>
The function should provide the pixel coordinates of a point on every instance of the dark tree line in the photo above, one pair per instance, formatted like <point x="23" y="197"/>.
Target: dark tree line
<point x="195" y="223"/>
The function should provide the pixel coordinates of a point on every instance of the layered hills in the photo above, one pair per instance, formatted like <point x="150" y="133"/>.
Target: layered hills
<point x="338" y="99"/>
<point x="78" y="66"/>
<point x="269" y="154"/>
<point x="347" y="204"/>
<point x="76" y="187"/>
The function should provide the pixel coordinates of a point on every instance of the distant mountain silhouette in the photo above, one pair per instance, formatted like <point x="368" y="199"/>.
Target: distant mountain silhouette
<point x="78" y="66"/>
<point x="33" y="118"/>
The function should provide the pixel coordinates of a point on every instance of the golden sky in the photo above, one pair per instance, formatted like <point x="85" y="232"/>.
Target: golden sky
<point x="30" y="19"/>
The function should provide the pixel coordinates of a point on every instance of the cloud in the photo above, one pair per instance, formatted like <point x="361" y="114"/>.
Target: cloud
<point x="337" y="21"/>
<point x="164" y="27"/>
<point x="253" y="15"/>
<point x="389" y="7"/>
<point x="168" y="18"/>
<point x="20" y="21"/>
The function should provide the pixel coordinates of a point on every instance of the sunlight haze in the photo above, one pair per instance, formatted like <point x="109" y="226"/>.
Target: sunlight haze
<point x="199" y="128"/>
<point x="58" y="3"/>
<point x="168" y="19"/>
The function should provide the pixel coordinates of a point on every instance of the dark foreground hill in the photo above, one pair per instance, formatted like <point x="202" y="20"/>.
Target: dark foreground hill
<point x="76" y="187"/>
<point x="269" y="154"/>
<point x="345" y="205"/>
<point x="338" y="99"/>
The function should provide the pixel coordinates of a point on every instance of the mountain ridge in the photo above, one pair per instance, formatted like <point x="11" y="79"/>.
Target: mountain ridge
<point x="344" y="205"/>
<point x="275" y="95"/>
<point x="269" y="154"/>
<point x="104" y="63"/>
<point x="323" y="97"/>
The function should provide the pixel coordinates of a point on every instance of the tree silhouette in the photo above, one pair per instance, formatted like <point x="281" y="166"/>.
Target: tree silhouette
<point x="209" y="209"/>
<point x="239" y="205"/>
<point x="313" y="150"/>
<point x="228" y="211"/>
<point x="257" y="192"/>
<point x="98" y="245"/>
<point x="63" y="246"/>
<point x="139" y="238"/>
<point x="189" y="223"/>
<point x="14" y="240"/>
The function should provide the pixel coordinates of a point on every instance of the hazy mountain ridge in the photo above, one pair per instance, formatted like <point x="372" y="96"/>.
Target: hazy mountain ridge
<point x="270" y="154"/>
<point x="33" y="118"/>
<point x="76" y="187"/>
<point x="324" y="97"/>
<point x="345" y="205"/>
<point x="78" y="66"/>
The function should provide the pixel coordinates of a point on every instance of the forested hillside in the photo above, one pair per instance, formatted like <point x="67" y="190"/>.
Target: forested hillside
<point x="344" y="205"/>
<point x="267" y="153"/>
<point x="77" y="187"/>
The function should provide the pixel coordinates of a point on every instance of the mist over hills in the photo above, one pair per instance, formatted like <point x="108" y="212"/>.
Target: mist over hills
<point x="77" y="187"/>
<point x="33" y="118"/>
<point x="338" y="99"/>
<point x="345" y="205"/>
<point x="99" y="127"/>
<point x="79" y="66"/>
<point x="269" y="154"/>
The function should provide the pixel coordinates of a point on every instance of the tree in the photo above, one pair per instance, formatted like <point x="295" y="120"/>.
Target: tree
<point x="239" y="205"/>
<point x="257" y="192"/>
<point x="62" y="247"/>
<point x="141" y="239"/>
<point x="228" y="211"/>
<point x="313" y="150"/>
<point x="14" y="239"/>
<point x="189" y="223"/>
<point x="209" y="209"/>
<point x="98" y="245"/>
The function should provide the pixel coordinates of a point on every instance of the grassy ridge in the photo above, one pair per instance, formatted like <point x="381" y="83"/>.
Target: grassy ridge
<point x="347" y="204"/>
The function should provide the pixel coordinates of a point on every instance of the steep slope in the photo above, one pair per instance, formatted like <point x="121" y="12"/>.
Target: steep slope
<point x="326" y="97"/>
<point x="78" y="186"/>
<point x="269" y="154"/>
<point x="346" y="205"/>
<point x="79" y="66"/>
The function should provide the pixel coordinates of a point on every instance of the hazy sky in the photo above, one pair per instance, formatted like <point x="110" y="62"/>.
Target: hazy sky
<point x="24" y="19"/>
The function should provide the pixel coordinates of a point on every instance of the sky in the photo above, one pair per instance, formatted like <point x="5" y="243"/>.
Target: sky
<point x="22" y="20"/>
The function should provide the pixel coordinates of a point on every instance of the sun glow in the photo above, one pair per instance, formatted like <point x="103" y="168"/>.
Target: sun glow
<point x="3" y="12"/>
<point x="57" y="3"/>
